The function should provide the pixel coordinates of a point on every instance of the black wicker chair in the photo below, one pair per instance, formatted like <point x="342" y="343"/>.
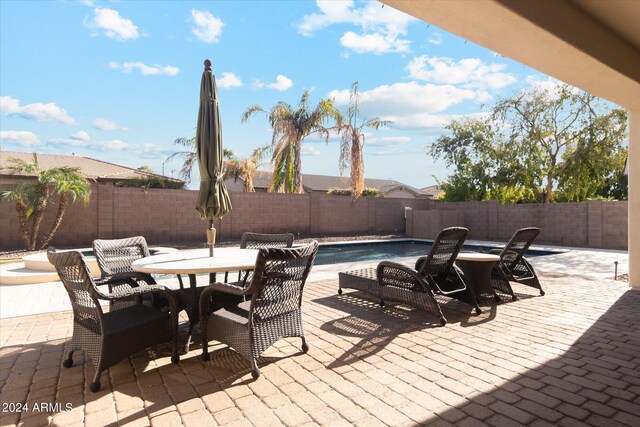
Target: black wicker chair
<point x="434" y="274"/>
<point x="258" y="241"/>
<point x="273" y="312"/>
<point x="107" y="338"/>
<point x="114" y="258"/>
<point x="513" y="266"/>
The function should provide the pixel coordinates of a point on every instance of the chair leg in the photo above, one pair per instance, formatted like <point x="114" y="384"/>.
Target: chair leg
<point x="305" y="346"/>
<point x="255" y="372"/>
<point x="68" y="362"/>
<point x="95" y="385"/>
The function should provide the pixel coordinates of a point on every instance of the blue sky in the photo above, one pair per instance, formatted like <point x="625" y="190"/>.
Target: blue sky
<point x="119" y="80"/>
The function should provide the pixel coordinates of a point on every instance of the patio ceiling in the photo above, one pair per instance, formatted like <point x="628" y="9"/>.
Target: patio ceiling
<point x="591" y="44"/>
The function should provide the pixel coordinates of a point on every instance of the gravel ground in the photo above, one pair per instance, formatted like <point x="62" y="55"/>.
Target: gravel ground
<point x="8" y="255"/>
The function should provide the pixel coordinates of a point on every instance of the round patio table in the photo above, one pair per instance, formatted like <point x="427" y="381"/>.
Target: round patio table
<point x="477" y="272"/>
<point x="194" y="262"/>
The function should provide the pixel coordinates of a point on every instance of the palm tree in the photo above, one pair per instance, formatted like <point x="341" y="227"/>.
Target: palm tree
<point x="352" y="141"/>
<point x="190" y="156"/>
<point x="290" y="128"/>
<point x="32" y="199"/>
<point x="246" y="168"/>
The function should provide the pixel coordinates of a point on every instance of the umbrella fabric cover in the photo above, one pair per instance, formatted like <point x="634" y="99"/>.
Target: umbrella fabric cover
<point x="213" y="198"/>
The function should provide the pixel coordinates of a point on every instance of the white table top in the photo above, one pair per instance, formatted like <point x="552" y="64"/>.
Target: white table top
<point x="198" y="261"/>
<point x="475" y="256"/>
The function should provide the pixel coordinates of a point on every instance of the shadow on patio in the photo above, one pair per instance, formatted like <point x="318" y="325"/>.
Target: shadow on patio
<point x="569" y="357"/>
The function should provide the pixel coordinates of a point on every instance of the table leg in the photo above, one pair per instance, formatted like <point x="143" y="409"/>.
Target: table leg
<point x="193" y="312"/>
<point x="478" y="276"/>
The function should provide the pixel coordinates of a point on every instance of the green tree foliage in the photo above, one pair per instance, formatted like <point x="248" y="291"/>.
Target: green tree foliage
<point x="536" y="144"/>
<point x="366" y="192"/>
<point x="352" y="141"/>
<point x="33" y="198"/>
<point x="152" y="181"/>
<point x="290" y="128"/>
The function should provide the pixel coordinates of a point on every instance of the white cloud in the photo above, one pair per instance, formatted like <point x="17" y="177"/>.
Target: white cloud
<point x="467" y="72"/>
<point x="310" y="150"/>
<point x="411" y="105"/>
<point x="108" y="125"/>
<point x="406" y="98"/>
<point x="387" y="140"/>
<point x="80" y="136"/>
<point x="281" y="84"/>
<point x="430" y="123"/>
<point x="381" y="28"/>
<point x="114" y="144"/>
<point x="229" y="80"/>
<point x="207" y="27"/>
<point x="10" y="106"/>
<point x="113" y="25"/>
<point x="376" y="43"/>
<point x="146" y="70"/>
<point x="547" y="85"/>
<point x="109" y="145"/>
<point x="19" y="137"/>
<point x="436" y="38"/>
<point x="153" y="151"/>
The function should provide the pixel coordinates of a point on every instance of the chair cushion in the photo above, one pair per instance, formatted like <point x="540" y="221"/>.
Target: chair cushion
<point x="236" y="313"/>
<point x="133" y="317"/>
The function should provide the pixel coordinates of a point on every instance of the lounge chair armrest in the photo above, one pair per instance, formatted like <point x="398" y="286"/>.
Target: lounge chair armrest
<point x="419" y="262"/>
<point x="394" y="274"/>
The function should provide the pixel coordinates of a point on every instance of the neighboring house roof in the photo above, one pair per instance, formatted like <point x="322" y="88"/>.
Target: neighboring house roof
<point x="97" y="170"/>
<point x="432" y="191"/>
<point x="322" y="183"/>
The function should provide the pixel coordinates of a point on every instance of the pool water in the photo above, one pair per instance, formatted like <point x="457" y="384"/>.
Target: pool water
<point x="89" y="253"/>
<point x="354" y="252"/>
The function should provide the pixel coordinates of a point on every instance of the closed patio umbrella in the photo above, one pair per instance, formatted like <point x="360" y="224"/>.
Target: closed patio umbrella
<point x="213" y="198"/>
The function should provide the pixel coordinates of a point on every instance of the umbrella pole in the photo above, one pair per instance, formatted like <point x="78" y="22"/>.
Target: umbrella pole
<point x="211" y="237"/>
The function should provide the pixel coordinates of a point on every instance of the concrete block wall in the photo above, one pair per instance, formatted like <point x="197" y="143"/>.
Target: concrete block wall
<point x="615" y="226"/>
<point x="594" y="224"/>
<point x="426" y="224"/>
<point x="169" y="215"/>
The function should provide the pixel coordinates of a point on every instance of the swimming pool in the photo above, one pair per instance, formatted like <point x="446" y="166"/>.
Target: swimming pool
<point x="371" y="251"/>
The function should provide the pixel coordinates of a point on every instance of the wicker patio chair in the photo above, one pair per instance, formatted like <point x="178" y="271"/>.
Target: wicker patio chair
<point x="114" y="259"/>
<point x="107" y="338"/>
<point x="513" y="266"/>
<point x="258" y="241"/>
<point x="434" y="274"/>
<point x="273" y="312"/>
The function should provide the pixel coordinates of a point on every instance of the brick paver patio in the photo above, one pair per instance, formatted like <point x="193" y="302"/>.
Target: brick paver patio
<point x="571" y="357"/>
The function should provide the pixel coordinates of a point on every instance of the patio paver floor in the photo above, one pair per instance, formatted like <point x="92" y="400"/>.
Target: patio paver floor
<point x="571" y="357"/>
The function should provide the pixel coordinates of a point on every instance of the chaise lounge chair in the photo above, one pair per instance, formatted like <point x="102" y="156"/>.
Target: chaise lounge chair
<point x="513" y="266"/>
<point x="434" y="274"/>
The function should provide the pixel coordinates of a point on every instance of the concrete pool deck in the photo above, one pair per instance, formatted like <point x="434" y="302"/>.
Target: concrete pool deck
<point x="50" y="297"/>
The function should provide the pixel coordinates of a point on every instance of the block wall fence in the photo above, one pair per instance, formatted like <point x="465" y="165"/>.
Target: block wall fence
<point x="169" y="216"/>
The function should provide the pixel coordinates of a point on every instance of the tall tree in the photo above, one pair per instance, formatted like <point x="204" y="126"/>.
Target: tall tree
<point x="533" y="144"/>
<point x="32" y="199"/>
<point x="245" y="169"/>
<point x="352" y="140"/>
<point x="290" y="128"/>
<point x="189" y="156"/>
